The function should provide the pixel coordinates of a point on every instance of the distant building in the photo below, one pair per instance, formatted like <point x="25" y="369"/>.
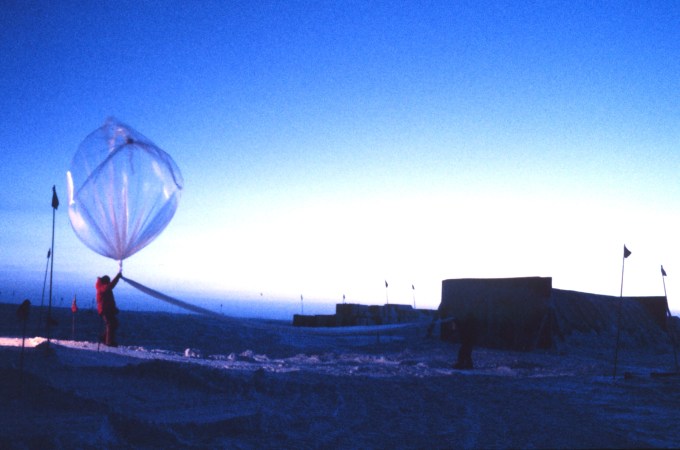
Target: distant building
<point x="352" y="314"/>
<point x="528" y="313"/>
<point x="523" y="313"/>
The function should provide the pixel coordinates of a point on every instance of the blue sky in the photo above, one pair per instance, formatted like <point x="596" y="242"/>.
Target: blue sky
<point x="329" y="146"/>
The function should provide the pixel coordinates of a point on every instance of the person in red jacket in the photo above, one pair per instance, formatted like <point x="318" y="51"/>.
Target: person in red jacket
<point x="106" y="306"/>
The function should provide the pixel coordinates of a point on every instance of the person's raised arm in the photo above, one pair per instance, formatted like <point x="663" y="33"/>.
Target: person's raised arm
<point x="114" y="282"/>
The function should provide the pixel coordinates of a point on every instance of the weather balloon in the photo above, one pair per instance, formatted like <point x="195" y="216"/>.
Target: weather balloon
<point x="122" y="190"/>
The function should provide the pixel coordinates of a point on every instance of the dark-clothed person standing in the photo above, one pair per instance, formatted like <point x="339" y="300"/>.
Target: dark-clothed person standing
<point x="106" y="306"/>
<point x="467" y="332"/>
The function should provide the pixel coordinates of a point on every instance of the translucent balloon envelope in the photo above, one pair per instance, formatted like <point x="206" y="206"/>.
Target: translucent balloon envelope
<point x="122" y="190"/>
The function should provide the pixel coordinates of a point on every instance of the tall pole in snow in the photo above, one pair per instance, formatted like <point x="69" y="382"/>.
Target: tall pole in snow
<point x="74" y="310"/>
<point x="668" y="320"/>
<point x="413" y="288"/>
<point x="626" y="254"/>
<point x="42" y="299"/>
<point x="55" y="205"/>
<point x="387" y="298"/>
<point x="663" y="278"/>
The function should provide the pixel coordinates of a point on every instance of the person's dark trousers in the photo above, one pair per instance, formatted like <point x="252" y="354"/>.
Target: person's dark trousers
<point x="464" y="357"/>
<point x="111" y="323"/>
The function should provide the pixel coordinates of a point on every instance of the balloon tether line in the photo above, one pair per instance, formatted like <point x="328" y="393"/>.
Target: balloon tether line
<point x="166" y="298"/>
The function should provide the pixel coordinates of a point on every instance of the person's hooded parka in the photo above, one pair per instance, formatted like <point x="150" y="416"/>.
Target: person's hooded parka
<point x="106" y="304"/>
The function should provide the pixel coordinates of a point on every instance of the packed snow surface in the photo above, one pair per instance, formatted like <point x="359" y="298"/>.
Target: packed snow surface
<point x="179" y="380"/>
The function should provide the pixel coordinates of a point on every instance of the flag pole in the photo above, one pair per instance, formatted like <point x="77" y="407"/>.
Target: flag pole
<point x="413" y="288"/>
<point x="626" y="254"/>
<point x="42" y="299"/>
<point x="387" y="298"/>
<point x="55" y="205"/>
<point x="74" y="310"/>
<point x="668" y="321"/>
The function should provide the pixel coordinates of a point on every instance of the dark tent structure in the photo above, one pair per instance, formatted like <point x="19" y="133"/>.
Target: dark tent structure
<point x="527" y="313"/>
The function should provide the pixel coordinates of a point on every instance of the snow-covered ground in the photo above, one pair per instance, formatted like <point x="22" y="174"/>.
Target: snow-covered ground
<point x="184" y="380"/>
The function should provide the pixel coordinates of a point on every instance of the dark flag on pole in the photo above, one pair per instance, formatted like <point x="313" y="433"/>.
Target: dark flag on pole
<point x="669" y="316"/>
<point x="55" y="205"/>
<point x="385" y="283"/>
<point x="626" y="254"/>
<point x="55" y="199"/>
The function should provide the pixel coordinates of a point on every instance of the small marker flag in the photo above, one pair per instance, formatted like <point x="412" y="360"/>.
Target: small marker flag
<point x="413" y="287"/>
<point x="626" y="252"/>
<point x="663" y="272"/>
<point x="55" y="199"/>
<point x="385" y="283"/>
<point x="74" y="306"/>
